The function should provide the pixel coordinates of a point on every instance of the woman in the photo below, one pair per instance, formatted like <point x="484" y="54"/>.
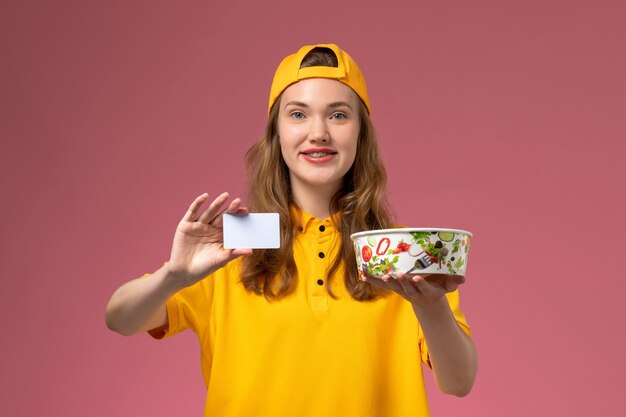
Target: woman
<point x="296" y="331"/>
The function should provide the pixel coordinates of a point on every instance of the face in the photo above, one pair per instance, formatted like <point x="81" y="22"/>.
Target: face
<point x="318" y="126"/>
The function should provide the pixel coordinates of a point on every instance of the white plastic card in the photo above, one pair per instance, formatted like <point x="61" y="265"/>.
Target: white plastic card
<point x="253" y="230"/>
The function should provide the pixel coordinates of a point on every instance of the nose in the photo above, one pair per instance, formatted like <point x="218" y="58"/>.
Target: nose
<point x="318" y="131"/>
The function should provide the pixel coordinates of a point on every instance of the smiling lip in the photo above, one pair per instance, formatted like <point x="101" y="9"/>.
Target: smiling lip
<point x="318" y="155"/>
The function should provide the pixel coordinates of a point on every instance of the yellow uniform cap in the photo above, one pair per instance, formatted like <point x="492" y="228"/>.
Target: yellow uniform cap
<point x="347" y="72"/>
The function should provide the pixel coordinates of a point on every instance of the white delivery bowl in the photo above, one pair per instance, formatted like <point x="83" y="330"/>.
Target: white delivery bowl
<point x="412" y="251"/>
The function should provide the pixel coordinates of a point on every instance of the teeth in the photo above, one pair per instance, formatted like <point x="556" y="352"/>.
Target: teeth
<point x="318" y="154"/>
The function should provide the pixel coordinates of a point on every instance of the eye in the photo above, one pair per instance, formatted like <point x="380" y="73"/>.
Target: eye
<point x="297" y="115"/>
<point x="338" y="116"/>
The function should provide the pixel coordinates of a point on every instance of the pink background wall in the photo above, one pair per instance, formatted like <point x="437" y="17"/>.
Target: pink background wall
<point x="502" y="117"/>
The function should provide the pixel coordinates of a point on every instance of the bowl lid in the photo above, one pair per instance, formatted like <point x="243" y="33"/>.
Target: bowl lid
<point x="408" y="230"/>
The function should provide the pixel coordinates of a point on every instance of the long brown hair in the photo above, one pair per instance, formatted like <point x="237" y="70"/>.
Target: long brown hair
<point x="360" y="202"/>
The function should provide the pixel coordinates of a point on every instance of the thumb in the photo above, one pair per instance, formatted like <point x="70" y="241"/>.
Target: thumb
<point x="228" y="255"/>
<point x="241" y="252"/>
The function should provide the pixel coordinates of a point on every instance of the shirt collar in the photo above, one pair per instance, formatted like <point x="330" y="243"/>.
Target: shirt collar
<point x="307" y="221"/>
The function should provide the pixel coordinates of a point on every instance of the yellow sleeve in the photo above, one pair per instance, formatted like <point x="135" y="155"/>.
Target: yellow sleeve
<point x="453" y="300"/>
<point x="187" y="309"/>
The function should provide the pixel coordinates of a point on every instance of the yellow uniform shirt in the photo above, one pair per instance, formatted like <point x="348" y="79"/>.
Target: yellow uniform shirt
<point x="306" y="354"/>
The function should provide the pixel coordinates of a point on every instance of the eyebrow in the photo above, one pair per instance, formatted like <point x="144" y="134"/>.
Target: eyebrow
<point x="333" y="105"/>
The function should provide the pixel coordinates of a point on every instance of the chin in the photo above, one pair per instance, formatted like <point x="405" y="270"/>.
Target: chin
<point x="324" y="182"/>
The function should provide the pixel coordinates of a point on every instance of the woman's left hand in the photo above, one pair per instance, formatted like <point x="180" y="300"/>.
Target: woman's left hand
<point x="418" y="289"/>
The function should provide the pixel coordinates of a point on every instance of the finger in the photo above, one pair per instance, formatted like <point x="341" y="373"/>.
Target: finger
<point x="232" y="254"/>
<point x="393" y="284"/>
<point x="224" y="256"/>
<point x="242" y="252"/>
<point x="426" y="288"/>
<point x="192" y="213"/>
<point x="448" y="282"/>
<point x="408" y="286"/>
<point x="213" y="210"/>
<point x="233" y="208"/>
<point x="386" y="282"/>
<point x="236" y="253"/>
<point x="439" y="284"/>
<point x="452" y="282"/>
<point x="376" y="282"/>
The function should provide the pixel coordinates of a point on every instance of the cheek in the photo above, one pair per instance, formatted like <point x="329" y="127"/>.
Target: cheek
<point x="353" y="155"/>
<point x="289" y="134"/>
<point x="283" y="148"/>
<point x="353" y="141"/>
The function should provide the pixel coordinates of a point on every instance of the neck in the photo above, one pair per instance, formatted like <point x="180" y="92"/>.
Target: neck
<point x="314" y="199"/>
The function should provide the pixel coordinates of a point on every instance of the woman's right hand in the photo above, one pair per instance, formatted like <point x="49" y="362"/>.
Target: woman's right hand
<point x="198" y="248"/>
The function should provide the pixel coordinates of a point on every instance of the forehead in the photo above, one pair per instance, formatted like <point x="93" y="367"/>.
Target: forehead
<point x="319" y="91"/>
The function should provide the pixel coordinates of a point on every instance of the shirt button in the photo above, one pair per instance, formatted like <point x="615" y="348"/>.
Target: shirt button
<point x="300" y="228"/>
<point x="320" y="282"/>
<point x="321" y="254"/>
<point x="322" y="228"/>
